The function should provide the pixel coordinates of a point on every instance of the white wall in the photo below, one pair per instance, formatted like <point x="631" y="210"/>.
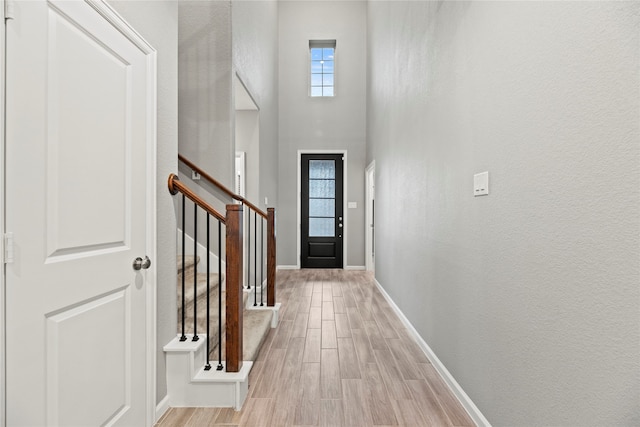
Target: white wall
<point x="530" y="296"/>
<point x="157" y="22"/>
<point x="321" y="123"/>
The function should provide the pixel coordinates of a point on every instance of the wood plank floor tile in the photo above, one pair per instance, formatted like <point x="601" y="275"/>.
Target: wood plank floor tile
<point x="312" y="346"/>
<point x="413" y="349"/>
<point x="338" y="305"/>
<point x="304" y="303"/>
<point x="354" y="404"/>
<point x="300" y="325"/>
<point x="377" y="342"/>
<point x="365" y="312"/>
<point x="355" y="320"/>
<point x="266" y="345"/>
<point x="363" y="346"/>
<point x="284" y="410"/>
<point x="316" y="299"/>
<point x="407" y="413"/>
<point x="343" y="330"/>
<point x="291" y="367"/>
<point x="203" y="417"/>
<point x="429" y="406"/>
<point x="330" y="387"/>
<point x="329" y="334"/>
<point x="349" y="301"/>
<point x="308" y="410"/>
<point x="257" y="413"/>
<point x="315" y="318"/>
<point x="327" y="292"/>
<point x="451" y="406"/>
<point x="228" y="417"/>
<point x="386" y="330"/>
<point x="331" y="413"/>
<point x="408" y="368"/>
<point x="177" y="417"/>
<point x="282" y="336"/>
<point x="377" y="398"/>
<point x="268" y="383"/>
<point x="391" y="375"/>
<point x="349" y="365"/>
<point x="337" y="289"/>
<point x="327" y="310"/>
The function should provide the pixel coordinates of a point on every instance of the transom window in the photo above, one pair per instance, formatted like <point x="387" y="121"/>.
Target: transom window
<point x="322" y="67"/>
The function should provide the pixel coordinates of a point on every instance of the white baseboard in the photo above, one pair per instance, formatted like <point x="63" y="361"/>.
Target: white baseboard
<point x="457" y="390"/>
<point x="295" y="267"/>
<point x="161" y="408"/>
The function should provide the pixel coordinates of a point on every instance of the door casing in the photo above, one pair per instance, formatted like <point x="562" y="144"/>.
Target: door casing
<point x="369" y="175"/>
<point x="117" y="21"/>
<point x="345" y="235"/>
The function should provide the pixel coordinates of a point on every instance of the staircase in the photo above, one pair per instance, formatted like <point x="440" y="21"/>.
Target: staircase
<point x="256" y="321"/>
<point x="188" y="382"/>
<point x="210" y="368"/>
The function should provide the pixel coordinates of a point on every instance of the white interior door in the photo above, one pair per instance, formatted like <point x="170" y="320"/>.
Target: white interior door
<point x="79" y="108"/>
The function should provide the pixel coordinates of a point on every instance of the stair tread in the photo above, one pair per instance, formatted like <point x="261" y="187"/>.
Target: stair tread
<point x="256" y="326"/>
<point x="189" y="261"/>
<point x="202" y="286"/>
<point x="256" y="323"/>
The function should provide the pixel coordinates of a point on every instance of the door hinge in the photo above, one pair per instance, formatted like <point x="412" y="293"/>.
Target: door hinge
<point x="8" y="248"/>
<point x="9" y="9"/>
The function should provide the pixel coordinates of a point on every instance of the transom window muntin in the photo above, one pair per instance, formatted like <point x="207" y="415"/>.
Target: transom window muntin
<point x="322" y="67"/>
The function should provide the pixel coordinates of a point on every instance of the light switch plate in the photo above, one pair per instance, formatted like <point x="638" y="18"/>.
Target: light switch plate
<point x="481" y="184"/>
<point x="352" y="205"/>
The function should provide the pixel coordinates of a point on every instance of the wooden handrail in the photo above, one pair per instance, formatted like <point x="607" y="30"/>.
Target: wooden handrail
<point x="220" y="186"/>
<point x="175" y="187"/>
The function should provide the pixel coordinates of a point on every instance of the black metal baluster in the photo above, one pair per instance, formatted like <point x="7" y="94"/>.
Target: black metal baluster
<point x="208" y="365"/>
<point x="255" y="258"/>
<point x="183" y="337"/>
<point x="219" y="368"/>
<point x="249" y="252"/>
<point x="261" y="262"/>
<point x="195" y="273"/>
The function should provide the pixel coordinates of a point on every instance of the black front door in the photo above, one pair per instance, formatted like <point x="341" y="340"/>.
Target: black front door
<point x="321" y="208"/>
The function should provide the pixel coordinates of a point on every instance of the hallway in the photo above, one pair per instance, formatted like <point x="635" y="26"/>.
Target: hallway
<point x="339" y="357"/>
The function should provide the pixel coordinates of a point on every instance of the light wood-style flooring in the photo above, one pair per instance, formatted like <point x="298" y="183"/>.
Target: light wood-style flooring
<point x="339" y="357"/>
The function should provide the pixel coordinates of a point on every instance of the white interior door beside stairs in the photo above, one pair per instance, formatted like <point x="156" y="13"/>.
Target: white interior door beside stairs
<point x="80" y="133"/>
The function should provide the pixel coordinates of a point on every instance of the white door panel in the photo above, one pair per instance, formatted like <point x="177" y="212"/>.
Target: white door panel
<point x="77" y="125"/>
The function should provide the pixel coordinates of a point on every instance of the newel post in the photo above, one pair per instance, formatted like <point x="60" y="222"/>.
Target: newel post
<point x="271" y="257"/>
<point x="234" y="288"/>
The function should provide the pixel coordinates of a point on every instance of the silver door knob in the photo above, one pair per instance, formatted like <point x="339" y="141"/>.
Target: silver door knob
<point x="139" y="263"/>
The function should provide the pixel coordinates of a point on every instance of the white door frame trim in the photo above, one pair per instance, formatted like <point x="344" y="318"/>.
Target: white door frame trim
<point x="369" y="195"/>
<point x="114" y="18"/>
<point x="3" y="385"/>
<point x="344" y="196"/>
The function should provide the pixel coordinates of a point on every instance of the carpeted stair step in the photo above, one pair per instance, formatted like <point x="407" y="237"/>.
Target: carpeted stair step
<point x="256" y="323"/>
<point x="189" y="294"/>
<point x="255" y="326"/>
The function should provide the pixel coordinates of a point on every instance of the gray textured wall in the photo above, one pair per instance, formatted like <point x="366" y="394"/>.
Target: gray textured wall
<point x="205" y="87"/>
<point x="255" y="60"/>
<point x="322" y="124"/>
<point x="157" y="22"/>
<point x="529" y="296"/>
